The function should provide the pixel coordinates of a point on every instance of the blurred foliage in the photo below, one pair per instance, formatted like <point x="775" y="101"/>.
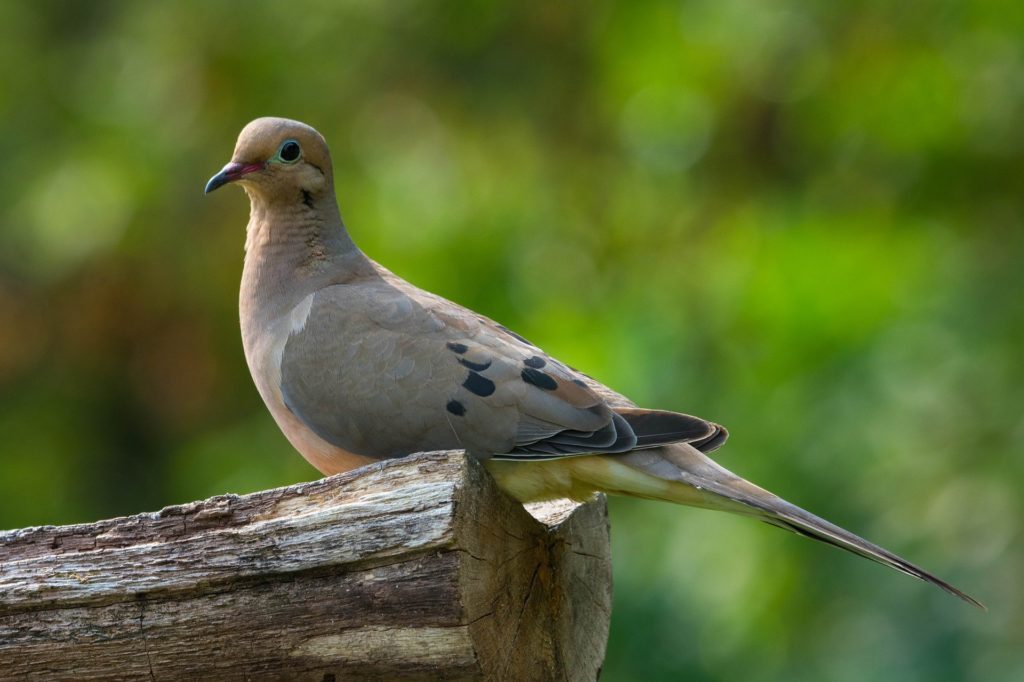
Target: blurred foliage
<point x="801" y="219"/>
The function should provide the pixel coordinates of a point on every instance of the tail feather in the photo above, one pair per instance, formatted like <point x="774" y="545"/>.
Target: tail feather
<point x="658" y="427"/>
<point x="684" y="464"/>
<point x="804" y="523"/>
<point x="682" y="474"/>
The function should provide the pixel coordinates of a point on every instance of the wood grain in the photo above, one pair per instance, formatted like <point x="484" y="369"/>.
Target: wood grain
<point x="418" y="568"/>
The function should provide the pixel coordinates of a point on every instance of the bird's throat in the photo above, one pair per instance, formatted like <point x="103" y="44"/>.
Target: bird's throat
<point x="293" y="250"/>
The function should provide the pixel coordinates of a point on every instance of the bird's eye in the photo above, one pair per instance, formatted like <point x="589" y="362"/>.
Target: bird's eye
<point x="290" y="152"/>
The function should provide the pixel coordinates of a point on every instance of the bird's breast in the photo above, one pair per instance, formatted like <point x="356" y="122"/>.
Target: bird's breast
<point x="264" y="349"/>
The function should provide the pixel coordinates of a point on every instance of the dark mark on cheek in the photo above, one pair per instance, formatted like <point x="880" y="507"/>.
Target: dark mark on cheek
<point x="307" y="198"/>
<point x="538" y="379"/>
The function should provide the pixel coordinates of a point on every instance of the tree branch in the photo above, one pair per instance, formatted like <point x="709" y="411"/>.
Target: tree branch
<point x="418" y="568"/>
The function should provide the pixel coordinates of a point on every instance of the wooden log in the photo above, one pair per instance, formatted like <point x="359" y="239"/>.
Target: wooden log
<point x="418" y="568"/>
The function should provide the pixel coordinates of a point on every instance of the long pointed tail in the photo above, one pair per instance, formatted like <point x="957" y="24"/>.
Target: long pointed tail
<point x="682" y="474"/>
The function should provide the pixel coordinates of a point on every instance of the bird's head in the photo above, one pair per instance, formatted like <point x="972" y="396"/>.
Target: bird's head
<point x="278" y="159"/>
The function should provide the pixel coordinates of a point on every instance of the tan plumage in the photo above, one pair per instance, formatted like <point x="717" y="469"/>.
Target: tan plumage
<point x="356" y="365"/>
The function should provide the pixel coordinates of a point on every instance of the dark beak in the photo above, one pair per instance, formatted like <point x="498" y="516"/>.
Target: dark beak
<point x="230" y="173"/>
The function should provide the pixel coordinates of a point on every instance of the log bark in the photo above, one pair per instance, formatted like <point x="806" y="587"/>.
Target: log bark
<point x="418" y="568"/>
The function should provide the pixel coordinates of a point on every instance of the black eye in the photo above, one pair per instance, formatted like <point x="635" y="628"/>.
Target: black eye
<point x="290" y="151"/>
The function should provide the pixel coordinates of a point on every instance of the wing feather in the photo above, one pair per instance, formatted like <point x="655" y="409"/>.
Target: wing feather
<point x="384" y="369"/>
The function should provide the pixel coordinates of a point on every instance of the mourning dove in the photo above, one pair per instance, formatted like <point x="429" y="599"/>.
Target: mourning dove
<point x="357" y="365"/>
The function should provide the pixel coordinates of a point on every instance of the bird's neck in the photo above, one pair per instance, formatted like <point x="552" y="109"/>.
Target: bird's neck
<point x="291" y="251"/>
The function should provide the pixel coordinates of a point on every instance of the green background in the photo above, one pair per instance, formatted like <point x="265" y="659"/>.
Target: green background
<point x="800" y="219"/>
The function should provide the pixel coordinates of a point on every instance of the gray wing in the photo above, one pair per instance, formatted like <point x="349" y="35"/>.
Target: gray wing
<point x="383" y="369"/>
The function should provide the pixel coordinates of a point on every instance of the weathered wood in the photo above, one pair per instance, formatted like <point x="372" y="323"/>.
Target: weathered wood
<point x="414" y="569"/>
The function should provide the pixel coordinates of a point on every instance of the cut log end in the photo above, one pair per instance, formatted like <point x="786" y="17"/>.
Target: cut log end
<point x="418" y="568"/>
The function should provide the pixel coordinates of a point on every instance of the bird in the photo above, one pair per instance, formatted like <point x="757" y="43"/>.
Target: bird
<point x="357" y="366"/>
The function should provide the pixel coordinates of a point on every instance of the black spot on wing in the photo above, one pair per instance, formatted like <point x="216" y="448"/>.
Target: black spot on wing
<point x="475" y="366"/>
<point x="456" y="408"/>
<point x="535" y="361"/>
<point x="458" y="348"/>
<point x="580" y="382"/>
<point x="539" y="379"/>
<point x="478" y="385"/>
